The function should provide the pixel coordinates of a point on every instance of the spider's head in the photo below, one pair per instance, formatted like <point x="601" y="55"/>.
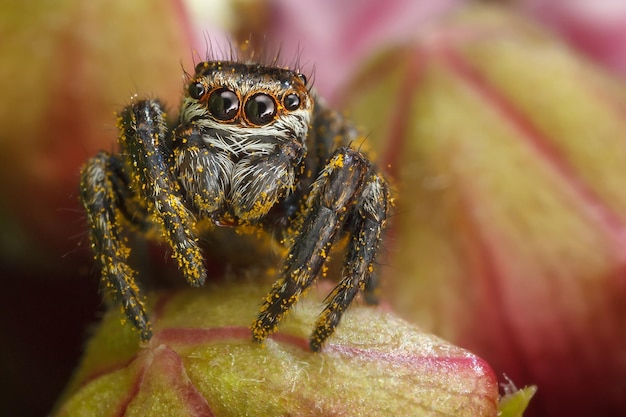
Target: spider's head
<point x="250" y="99"/>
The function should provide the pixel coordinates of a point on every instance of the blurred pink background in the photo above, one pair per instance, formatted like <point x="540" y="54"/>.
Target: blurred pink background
<point x="65" y="71"/>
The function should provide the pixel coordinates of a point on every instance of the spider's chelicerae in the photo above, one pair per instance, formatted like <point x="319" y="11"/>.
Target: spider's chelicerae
<point x="253" y="146"/>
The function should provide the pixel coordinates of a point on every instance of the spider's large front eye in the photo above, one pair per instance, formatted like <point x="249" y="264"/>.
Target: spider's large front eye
<point x="223" y="104"/>
<point x="197" y="90"/>
<point x="260" y="109"/>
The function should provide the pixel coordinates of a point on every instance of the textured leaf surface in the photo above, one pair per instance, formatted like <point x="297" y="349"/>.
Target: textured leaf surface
<point x="201" y="362"/>
<point x="509" y="158"/>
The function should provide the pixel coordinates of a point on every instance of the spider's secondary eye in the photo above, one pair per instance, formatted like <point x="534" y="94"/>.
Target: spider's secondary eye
<point x="302" y="78"/>
<point x="260" y="109"/>
<point x="223" y="104"/>
<point x="291" y="101"/>
<point x="197" y="90"/>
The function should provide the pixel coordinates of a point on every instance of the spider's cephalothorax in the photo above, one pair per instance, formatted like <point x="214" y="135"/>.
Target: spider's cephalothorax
<point x="250" y="148"/>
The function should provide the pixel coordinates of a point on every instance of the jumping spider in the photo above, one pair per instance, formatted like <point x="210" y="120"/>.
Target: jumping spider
<point x="253" y="146"/>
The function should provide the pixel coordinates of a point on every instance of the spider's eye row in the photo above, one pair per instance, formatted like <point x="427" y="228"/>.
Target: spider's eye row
<point x="291" y="101"/>
<point x="223" y="104"/>
<point x="260" y="109"/>
<point x="197" y="90"/>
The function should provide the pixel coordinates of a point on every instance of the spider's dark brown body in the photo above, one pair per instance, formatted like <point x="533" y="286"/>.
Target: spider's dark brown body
<point x="254" y="147"/>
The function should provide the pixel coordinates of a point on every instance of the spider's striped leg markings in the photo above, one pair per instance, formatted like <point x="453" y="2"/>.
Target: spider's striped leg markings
<point x="142" y="140"/>
<point x="358" y="271"/>
<point x="104" y="190"/>
<point x="346" y="178"/>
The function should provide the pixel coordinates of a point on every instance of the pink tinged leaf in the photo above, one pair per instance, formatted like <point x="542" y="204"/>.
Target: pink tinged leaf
<point x="597" y="28"/>
<point x="334" y="37"/>
<point x="509" y="240"/>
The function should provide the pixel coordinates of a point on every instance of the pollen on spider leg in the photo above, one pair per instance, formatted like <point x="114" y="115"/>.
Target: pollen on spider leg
<point x="337" y="162"/>
<point x="274" y="308"/>
<point x="325" y="270"/>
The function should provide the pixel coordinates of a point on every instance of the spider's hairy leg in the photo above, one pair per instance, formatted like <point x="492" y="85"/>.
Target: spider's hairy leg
<point x="329" y="205"/>
<point x="143" y="134"/>
<point x="102" y="191"/>
<point x="358" y="272"/>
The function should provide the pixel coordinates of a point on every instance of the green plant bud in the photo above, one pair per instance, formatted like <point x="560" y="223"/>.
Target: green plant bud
<point x="201" y="361"/>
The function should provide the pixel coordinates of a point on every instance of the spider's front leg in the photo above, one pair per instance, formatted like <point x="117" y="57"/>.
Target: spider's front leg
<point x="137" y="186"/>
<point x="143" y="142"/>
<point x="347" y="189"/>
